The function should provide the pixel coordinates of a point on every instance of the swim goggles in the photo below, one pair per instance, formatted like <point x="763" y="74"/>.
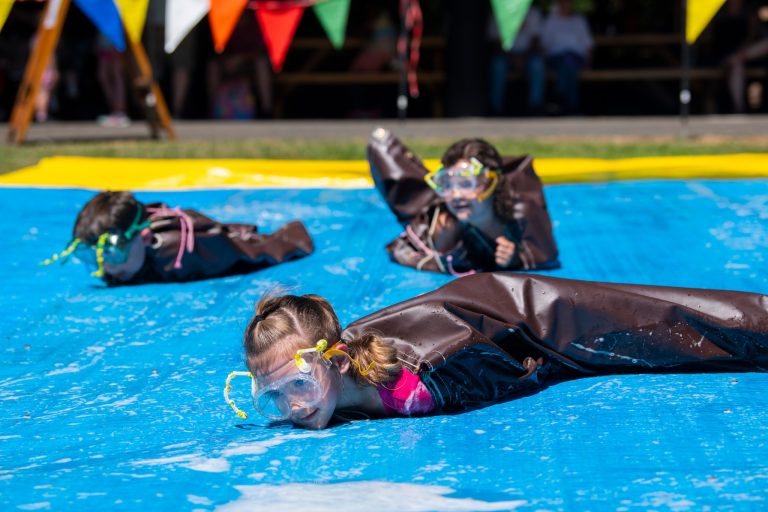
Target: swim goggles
<point x="303" y="385"/>
<point x="463" y="178"/>
<point x="111" y="247"/>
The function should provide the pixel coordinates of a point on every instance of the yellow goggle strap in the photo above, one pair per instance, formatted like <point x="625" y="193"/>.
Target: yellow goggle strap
<point x="327" y="353"/>
<point x="63" y="254"/>
<point x="492" y="187"/>
<point x="228" y="388"/>
<point x="99" y="272"/>
<point x="430" y="182"/>
<point x="299" y="361"/>
<point x="337" y="352"/>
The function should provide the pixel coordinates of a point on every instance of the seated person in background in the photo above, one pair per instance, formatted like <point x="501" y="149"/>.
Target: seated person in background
<point x="567" y="43"/>
<point x="479" y="212"/>
<point x="525" y="56"/>
<point x="128" y="242"/>
<point x="485" y="339"/>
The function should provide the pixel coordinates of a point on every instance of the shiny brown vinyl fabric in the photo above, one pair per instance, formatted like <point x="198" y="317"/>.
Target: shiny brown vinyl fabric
<point x="399" y="176"/>
<point x="434" y="240"/>
<point x="219" y="249"/>
<point x="488" y="337"/>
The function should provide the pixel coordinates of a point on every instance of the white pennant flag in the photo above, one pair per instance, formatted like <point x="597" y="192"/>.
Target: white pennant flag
<point x="181" y="16"/>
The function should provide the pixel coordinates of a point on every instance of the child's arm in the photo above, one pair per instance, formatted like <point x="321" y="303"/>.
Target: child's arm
<point x="520" y="197"/>
<point x="399" y="176"/>
<point x="482" y="375"/>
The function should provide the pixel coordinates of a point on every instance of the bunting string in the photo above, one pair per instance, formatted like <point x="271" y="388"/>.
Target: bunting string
<point x="414" y="25"/>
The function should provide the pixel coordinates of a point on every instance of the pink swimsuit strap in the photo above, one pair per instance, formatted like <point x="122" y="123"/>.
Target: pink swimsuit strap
<point x="406" y="395"/>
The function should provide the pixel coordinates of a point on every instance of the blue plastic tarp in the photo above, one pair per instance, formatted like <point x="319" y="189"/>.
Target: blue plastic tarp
<point x="112" y="397"/>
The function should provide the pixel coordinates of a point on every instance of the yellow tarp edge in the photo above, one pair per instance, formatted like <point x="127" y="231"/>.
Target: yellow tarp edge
<point x="147" y="174"/>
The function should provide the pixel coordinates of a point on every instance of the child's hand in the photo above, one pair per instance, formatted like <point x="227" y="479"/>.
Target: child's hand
<point x="505" y="251"/>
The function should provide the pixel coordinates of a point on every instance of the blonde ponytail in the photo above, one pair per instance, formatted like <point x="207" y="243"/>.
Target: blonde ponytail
<point x="370" y="348"/>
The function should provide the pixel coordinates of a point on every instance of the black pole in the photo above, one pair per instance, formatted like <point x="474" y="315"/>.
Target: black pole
<point x="402" y="93"/>
<point x="685" y="76"/>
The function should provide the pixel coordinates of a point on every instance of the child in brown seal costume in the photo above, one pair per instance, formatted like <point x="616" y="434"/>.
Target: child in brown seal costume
<point x="478" y="212"/>
<point x="487" y="338"/>
<point x="128" y="242"/>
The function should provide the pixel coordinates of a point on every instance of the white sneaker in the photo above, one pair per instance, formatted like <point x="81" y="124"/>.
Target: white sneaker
<point x="114" y="120"/>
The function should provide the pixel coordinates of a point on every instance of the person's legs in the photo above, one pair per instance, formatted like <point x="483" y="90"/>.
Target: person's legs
<point x="537" y="75"/>
<point x="180" y="88"/>
<point x="556" y="63"/>
<point x="48" y="84"/>
<point x="213" y="79"/>
<point x="568" y="68"/>
<point x="103" y="74"/>
<point x="736" y="84"/>
<point x="498" y="89"/>
<point x="110" y="73"/>
<point x="264" y="89"/>
<point x="118" y="84"/>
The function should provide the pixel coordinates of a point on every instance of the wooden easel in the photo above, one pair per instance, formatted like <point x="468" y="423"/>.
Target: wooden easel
<point x="139" y="69"/>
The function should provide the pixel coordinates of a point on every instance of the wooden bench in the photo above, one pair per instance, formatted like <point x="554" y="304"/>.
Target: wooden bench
<point x="665" y="47"/>
<point x="437" y="77"/>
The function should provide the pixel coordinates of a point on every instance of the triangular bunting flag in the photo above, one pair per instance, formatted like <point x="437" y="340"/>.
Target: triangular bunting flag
<point x="700" y="12"/>
<point x="333" y="16"/>
<point x="277" y="28"/>
<point x="5" y="8"/>
<point x="181" y="16"/>
<point x="103" y="14"/>
<point x="510" y="15"/>
<point x="134" y="14"/>
<point x="223" y="17"/>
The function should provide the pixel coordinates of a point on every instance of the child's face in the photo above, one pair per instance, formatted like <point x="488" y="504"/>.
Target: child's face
<point x="136" y="255"/>
<point x="468" y="208"/>
<point x="318" y="414"/>
<point x="462" y="193"/>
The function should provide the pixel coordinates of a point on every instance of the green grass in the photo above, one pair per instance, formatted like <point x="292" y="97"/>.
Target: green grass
<point x="12" y="157"/>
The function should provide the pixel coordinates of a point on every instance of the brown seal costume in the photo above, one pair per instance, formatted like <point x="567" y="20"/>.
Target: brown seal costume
<point x="486" y="338"/>
<point x="435" y="240"/>
<point x="219" y="249"/>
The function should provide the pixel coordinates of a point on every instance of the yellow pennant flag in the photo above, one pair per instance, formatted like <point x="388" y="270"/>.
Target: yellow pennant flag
<point x="700" y="12"/>
<point x="5" y="8"/>
<point x="134" y="14"/>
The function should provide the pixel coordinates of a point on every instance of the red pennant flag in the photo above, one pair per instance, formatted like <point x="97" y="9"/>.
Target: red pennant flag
<point x="223" y="18"/>
<point x="277" y="27"/>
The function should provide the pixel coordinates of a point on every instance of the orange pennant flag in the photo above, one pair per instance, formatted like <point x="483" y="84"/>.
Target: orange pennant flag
<point x="223" y="17"/>
<point x="277" y="27"/>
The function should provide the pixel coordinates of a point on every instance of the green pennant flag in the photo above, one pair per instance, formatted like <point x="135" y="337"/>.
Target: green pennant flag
<point x="333" y="16"/>
<point x="509" y="16"/>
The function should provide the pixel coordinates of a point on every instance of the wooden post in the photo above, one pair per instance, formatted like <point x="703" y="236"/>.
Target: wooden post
<point x="47" y="38"/>
<point x="149" y="94"/>
<point x="685" y="76"/>
<point x="48" y="33"/>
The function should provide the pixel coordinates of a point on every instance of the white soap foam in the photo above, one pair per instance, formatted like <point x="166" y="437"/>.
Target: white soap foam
<point x="348" y="496"/>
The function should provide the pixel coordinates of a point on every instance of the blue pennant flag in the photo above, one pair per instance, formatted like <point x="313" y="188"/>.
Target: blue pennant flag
<point x="104" y="14"/>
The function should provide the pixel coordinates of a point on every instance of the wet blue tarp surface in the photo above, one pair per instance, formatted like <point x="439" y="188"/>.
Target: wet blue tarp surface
<point x="111" y="398"/>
